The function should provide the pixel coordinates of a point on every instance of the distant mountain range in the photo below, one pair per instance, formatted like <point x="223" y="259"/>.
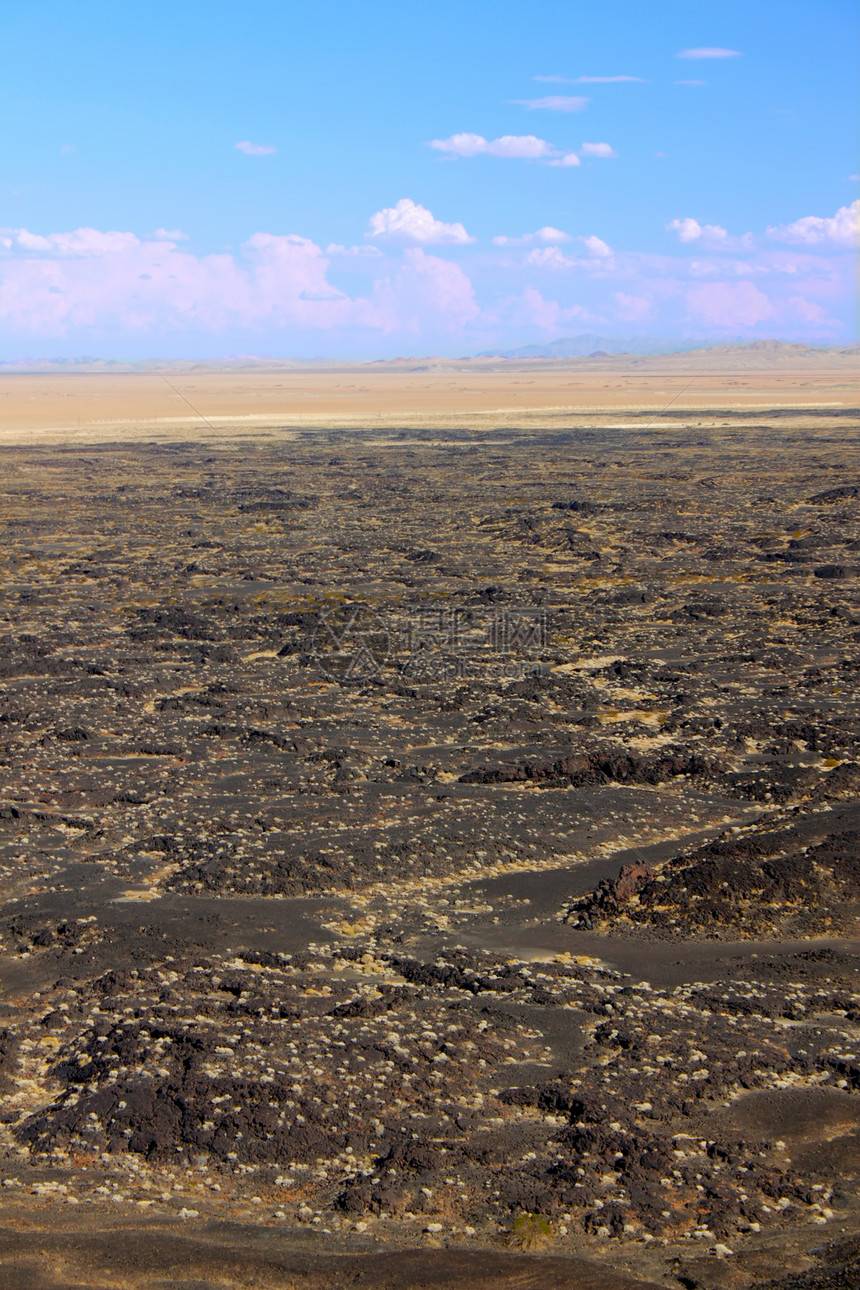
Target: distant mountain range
<point x="586" y="346"/>
<point x="591" y="346"/>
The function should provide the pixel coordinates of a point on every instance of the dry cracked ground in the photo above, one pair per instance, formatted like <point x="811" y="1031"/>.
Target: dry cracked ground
<point x="432" y="859"/>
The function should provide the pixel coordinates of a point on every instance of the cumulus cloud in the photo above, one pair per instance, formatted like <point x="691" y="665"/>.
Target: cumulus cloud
<point x="254" y="149"/>
<point x="632" y="308"/>
<point x="92" y="288"/>
<point x="81" y="242"/>
<point x="546" y="314"/>
<point x="425" y="283"/>
<point x="516" y="146"/>
<point x="713" y="237"/>
<point x="549" y="257"/>
<point x="65" y="282"/>
<point x="690" y="230"/>
<point x="410" y="222"/>
<point x="597" y="247"/>
<point x="598" y="150"/>
<point x="545" y="235"/>
<point x="554" y="103"/>
<point x="841" y="229"/>
<point x="729" y="304"/>
<point x="522" y="146"/>
<point x="708" y="51"/>
<point x="807" y="311"/>
<point x="170" y="235"/>
<point x="71" y="284"/>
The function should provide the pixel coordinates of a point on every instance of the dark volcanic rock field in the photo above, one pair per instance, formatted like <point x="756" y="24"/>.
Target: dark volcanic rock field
<point x="411" y="841"/>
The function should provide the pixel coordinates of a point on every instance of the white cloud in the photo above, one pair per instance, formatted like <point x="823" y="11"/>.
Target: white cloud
<point x="546" y="235"/>
<point x="708" y="51"/>
<point x="554" y="103"/>
<point x="842" y="229"/>
<point x="354" y="252"/>
<point x="516" y="146"/>
<point x="83" y="242"/>
<point x="410" y="222"/>
<point x="807" y="311"/>
<point x="690" y="230"/>
<point x="97" y="290"/>
<point x="632" y="308"/>
<point x="68" y="283"/>
<point x="549" y="257"/>
<point x="729" y="304"/>
<point x="609" y="80"/>
<point x="254" y="149"/>
<point x="588" y="80"/>
<point x="426" y="283"/>
<point x="601" y="257"/>
<point x="711" y="236"/>
<point x="597" y="247"/>
<point x="73" y="284"/>
<point x="522" y="146"/>
<point x="170" y="235"/>
<point x="548" y="314"/>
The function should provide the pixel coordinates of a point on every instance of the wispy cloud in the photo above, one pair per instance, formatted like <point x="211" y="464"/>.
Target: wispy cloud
<point x="410" y="222"/>
<point x="609" y="80"/>
<point x="544" y="235"/>
<point x="841" y="229"/>
<point x="353" y="252"/>
<point x="598" y="150"/>
<point x="691" y="82"/>
<point x="255" y="149"/>
<point x="516" y="146"/>
<point x="713" y="237"/>
<point x="554" y="103"/>
<point x="708" y="51"/>
<point x="589" y="80"/>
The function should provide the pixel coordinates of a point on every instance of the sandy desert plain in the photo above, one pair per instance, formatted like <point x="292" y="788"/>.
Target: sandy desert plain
<point x="429" y="824"/>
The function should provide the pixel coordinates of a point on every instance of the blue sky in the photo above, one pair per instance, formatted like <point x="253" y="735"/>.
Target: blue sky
<point x="425" y="178"/>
